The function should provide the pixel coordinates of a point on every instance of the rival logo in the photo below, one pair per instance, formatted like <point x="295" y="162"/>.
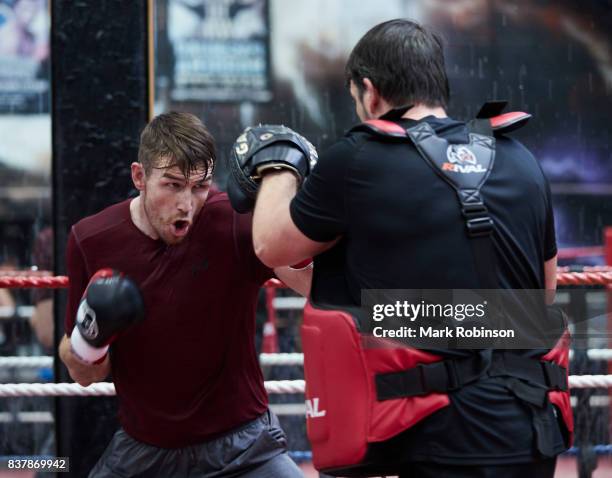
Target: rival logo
<point x="461" y="160"/>
<point x="312" y="409"/>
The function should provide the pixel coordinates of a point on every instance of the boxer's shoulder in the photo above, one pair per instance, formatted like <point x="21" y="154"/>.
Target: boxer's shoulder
<point x="106" y="220"/>
<point x="217" y="205"/>
<point x="218" y="216"/>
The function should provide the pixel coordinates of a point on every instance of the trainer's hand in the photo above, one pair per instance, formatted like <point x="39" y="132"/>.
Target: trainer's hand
<point x="262" y="149"/>
<point x="111" y="303"/>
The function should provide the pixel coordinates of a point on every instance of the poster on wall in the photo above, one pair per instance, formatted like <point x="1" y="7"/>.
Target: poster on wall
<point x="220" y="50"/>
<point x="24" y="56"/>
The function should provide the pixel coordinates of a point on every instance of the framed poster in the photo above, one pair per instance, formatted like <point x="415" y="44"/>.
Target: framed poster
<point x="24" y="56"/>
<point x="220" y="50"/>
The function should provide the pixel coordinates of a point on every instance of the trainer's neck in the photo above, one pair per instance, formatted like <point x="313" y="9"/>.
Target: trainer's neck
<point x="418" y="112"/>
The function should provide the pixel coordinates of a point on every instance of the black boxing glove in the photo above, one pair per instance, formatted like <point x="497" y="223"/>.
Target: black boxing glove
<point x="111" y="303"/>
<point x="265" y="148"/>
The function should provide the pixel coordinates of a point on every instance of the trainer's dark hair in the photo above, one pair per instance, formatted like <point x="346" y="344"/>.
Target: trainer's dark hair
<point x="404" y="61"/>
<point x="177" y="139"/>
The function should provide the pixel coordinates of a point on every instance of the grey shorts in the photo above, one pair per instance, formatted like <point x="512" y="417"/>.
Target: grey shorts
<point x="255" y="450"/>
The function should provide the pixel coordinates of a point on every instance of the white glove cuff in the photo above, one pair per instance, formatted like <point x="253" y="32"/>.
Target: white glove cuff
<point x="85" y="352"/>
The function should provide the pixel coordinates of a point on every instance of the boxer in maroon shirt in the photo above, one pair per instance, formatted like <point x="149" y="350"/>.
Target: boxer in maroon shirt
<point x="191" y="395"/>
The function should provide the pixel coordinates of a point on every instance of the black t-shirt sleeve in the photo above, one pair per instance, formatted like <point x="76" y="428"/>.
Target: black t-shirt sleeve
<point x="550" y="241"/>
<point x="318" y="210"/>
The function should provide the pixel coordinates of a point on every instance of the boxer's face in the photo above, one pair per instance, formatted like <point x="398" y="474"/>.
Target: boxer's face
<point x="171" y="201"/>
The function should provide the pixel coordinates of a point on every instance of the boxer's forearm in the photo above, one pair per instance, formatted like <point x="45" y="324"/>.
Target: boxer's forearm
<point x="82" y="373"/>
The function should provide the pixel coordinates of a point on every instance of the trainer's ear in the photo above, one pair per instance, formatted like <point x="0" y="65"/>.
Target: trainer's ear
<point x="371" y="99"/>
<point x="138" y="176"/>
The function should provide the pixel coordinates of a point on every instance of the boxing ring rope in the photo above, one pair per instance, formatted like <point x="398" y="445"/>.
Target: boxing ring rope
<point x="272" y="387"/>
<point x="565" y="276"/>
<point x="584" y="278"/>
<point x="265" y="360"/>
<point x="108" y="389"/>
<point x="26" y="362"/>
<point x="269" y="360"/>
<point x="34" y="282"/>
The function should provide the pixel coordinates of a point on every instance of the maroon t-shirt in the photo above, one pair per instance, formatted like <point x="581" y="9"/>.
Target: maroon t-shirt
<point x="189" y="372"/>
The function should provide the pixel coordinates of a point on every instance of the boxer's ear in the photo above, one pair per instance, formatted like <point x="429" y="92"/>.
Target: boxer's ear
<point x="138" y="176"/>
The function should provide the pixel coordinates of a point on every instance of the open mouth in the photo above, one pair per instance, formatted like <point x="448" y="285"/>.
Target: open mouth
<point x="180" y="227"/>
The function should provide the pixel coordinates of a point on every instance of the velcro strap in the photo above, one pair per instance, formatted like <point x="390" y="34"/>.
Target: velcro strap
<point x="452" y="374"/>
<point x="544" y="373"/>
<point x="438" y="377"/>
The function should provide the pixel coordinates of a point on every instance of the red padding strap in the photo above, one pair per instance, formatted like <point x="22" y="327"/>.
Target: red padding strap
<point x="387" y="127"/>
<point x="500" y="124"/>
<point x="509" y="121"/>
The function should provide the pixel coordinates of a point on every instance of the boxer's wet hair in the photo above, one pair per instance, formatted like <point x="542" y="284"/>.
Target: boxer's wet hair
<point x="177" y="139"/>
<point x="404" y="61"/>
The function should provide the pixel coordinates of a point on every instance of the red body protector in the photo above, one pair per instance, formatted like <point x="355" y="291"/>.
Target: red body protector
<point x="348" y="406"/>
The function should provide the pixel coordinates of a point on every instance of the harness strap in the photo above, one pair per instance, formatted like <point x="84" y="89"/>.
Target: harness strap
<point x="452" y="374"/>
<point x="465" y="167"/>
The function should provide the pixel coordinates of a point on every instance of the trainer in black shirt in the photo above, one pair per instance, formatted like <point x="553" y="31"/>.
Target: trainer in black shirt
<point x="379" y="210"/>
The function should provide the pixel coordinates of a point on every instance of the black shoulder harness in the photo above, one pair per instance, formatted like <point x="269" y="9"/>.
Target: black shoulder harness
<point x="465" y="167"/>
